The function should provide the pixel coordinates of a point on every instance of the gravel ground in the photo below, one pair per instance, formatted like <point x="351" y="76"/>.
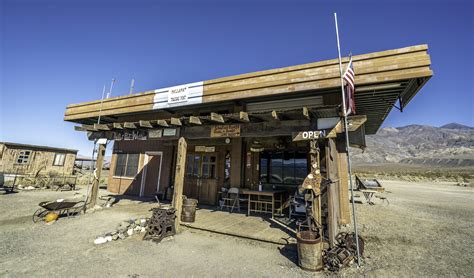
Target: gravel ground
<point x="427" y="230"/>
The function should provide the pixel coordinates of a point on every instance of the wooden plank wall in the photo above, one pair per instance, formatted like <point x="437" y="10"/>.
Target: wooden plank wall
<point x="378" y="67"/>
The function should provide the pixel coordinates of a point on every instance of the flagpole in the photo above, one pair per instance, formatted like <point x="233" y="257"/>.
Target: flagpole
<point x="347" y="143"/>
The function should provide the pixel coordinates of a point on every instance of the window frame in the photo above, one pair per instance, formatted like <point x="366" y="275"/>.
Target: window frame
<point x="283" y="168"/>
<point x="61" y="161"/>
<point x="125" y="166"/>
<point x="21" y="155"/>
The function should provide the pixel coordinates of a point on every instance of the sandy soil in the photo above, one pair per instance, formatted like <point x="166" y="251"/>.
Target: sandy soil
<point x="427" y="230"/>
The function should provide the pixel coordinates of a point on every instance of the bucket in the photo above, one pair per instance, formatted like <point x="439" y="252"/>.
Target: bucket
<point x="310" y="249"/>
<point x="188" y="214"/>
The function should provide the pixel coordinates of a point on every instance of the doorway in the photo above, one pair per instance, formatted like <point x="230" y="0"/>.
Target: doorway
<point x="201" y="179"/>
<point x="152" y="172"/>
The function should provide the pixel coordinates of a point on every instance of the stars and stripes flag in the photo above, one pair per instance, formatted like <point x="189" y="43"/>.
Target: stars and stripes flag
<point x="349" y="78"/>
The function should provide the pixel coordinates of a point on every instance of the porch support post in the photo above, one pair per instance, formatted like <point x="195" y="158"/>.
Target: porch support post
<point x="179" y="181"/>
<point x="236" y="163"/>
<point x="332" y="192"/>
<point x="97" y="173"/>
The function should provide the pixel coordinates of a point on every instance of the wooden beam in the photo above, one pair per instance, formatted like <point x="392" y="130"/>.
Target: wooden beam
<point x="89" y="127"/>
<point x="80" y="128"/>
<point x="146" y="124"/>
<point x="217" y="118"/>
<point x="97" y="173"/>
<point x="129" y="125"/>
<point x="195" y="120"/>
<point x="162" y="123"/>
<point x="101" y="127"/>
<point x="275" y="115"/>
<point x="261" y="129"/>
<point x="306" y="113"/>
<point x="117" y="126"/>
<point x="244" y="116"/>
<point x="177" y="202"/>
<point x="175" y="121"/>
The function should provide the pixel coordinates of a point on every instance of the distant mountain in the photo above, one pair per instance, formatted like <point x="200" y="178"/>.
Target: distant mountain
<point x="456" y="126"/>
<point x="451" y="145"/>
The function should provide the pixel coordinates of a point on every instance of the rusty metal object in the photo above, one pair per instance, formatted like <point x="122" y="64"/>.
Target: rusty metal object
<point x="336" y="258"/>
<point x="344" y="253"/>
<point x="348" y="240"/>
<point x="160" y="224"/>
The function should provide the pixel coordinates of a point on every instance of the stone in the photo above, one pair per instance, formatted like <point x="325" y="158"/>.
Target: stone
<point x="137" y="222"/>
<point x="113" y="233"/>
<point x="108" y="238"/>
<point x="130" y="232"/>
<point x="100" y="240"/>
<point x="122" y="236"/>
<point x="143" y="230"/>
<point x="125" y="224"/>
<point x="115" y="237"/>
<point x="137" y="228"/>
<point x="143" y="222"/>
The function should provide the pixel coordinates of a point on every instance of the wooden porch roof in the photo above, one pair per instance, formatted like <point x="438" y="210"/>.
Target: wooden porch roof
<point x="382" y="78"/>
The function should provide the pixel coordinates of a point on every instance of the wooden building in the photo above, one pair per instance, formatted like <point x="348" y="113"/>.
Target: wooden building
<point x="24" y="159"/>
<point x="240" y="129"/>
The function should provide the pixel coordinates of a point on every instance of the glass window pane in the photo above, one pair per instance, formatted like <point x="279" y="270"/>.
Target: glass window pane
<point x="276" y="168"/>
<point x="119" y="164"/>
<point x="205" y="158"/>
<point x="264" y="167"/>
<point x="213" y="159"/>
<point x="205" y="170"/>
<point x="197" y="159"/>
<point x="212" y="173"/>
<point x="132" y="165"/>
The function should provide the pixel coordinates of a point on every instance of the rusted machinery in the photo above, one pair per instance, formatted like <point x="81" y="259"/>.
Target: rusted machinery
<point x="344" y="253"/>
<point x="160" y="224"/>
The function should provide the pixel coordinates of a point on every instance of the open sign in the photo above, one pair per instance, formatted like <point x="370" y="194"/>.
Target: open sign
<point x="306" y="135"/>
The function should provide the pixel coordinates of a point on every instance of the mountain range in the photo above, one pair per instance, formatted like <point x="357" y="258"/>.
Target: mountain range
<point x="451" y="145"/>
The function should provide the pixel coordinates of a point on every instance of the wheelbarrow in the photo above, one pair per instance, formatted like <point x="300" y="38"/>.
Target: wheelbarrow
<point x="61" y="207"/>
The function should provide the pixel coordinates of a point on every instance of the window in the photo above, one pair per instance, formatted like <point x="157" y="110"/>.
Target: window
<point x="59" y="159"/>
<point x="198" y="165"/>
<point x="283" y="167"/>
<point x="23" y="157"/>
<point x="127" y="165"/>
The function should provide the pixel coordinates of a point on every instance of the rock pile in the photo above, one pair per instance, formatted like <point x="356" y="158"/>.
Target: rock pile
<point x="124" y="229"/>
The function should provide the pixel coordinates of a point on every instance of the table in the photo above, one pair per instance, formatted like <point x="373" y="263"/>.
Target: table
<point x="258" y="203"/>
<point x="368" y="194"/>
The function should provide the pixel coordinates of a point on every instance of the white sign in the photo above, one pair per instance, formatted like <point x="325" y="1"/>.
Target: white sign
<point x="178" y="94"/>
<point x="169" y="132"/>
<point x="306" y="135"/>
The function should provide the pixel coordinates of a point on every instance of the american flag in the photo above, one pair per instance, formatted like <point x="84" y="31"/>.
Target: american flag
<point x="349" y="77"/>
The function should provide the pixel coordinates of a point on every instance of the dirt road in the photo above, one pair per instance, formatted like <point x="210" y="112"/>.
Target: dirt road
<point x="427" y="230"/>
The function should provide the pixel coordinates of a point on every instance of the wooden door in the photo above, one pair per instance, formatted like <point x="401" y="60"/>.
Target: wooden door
<point x="201" y="177"/>
<point x="152" y="178"/>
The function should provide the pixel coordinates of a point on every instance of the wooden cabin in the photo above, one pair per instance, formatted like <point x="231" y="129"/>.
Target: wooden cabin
<point x="240" y="130"/>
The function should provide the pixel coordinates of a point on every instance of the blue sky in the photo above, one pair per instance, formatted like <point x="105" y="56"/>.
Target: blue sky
<point x="55" y="53"/>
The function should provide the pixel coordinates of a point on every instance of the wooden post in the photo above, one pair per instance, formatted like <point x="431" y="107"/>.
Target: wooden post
<point x="332" y="193"/>
<point x="179" y="180"/>
<point x="97" y="173"/>
<point x="236" y="163"/>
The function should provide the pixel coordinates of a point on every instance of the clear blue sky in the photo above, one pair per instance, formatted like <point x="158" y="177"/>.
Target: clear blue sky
<point x="55" y="53"/>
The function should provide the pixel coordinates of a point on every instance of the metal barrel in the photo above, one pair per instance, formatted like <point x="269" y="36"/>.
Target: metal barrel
<point x="310" y="248"/>
<point x="188" y="213"/>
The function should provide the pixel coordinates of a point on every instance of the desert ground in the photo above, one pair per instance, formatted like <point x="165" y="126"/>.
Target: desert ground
<point x="426" y="230"/>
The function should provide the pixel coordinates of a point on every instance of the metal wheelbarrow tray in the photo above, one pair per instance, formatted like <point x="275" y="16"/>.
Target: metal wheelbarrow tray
<point x="62" y="208"/>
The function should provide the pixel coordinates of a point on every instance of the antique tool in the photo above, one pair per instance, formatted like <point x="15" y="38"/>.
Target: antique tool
<point x="160" y="224"/>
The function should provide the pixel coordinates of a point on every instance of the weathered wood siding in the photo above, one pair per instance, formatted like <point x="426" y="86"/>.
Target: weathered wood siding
<point x="131" y="186"/>
<point x="40" y="161"/>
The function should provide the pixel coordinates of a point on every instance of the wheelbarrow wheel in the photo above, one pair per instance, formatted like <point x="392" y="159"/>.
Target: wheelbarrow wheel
<point x="39" y="215"/>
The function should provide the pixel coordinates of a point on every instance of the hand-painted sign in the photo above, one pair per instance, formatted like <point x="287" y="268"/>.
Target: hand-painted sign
<point x="225" y="131"/>
<point x="155" y="133"/>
